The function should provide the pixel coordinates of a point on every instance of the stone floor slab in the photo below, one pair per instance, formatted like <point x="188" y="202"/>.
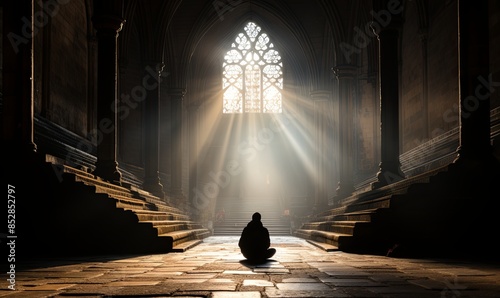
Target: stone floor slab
<point x="431" y="284"/>
<point x="257" y="283"/>
<point x="31" y="294"/>
<point x="237" y="272"/>
<point x="271" y="270"/>
<point x="347" y="282"/>
<point x="299" y="279"/>
<point x="185" y="280"/>
<point x="346" y="272"/>
<point x="210" y="287"/>
<point x="254" y="294"/>
<point x="334" y="293"/>
<point x="220" y="280"/>
<point x="49" y="287"/>
<point x="215" y="268"/>
<point x="141" y="283"/>
<point x="303" y="286"/>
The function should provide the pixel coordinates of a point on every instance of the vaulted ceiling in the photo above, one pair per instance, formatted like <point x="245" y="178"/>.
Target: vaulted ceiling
<point x="191" y="36"/>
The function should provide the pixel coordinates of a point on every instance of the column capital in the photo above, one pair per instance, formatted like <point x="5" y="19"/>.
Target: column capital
<point x="157" y="65"/>
<point x="156" y="70"/>
<point x="108" y="23"/>
<point x="176" y="93"/>
<point x="320" y="94"/>
<point x="345" y="71"/>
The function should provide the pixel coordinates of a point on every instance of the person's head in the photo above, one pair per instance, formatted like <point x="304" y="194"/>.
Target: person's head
<point x="256" y="216"/>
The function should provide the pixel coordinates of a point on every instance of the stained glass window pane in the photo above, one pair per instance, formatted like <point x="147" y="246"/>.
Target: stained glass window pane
<point x="252" y="90"/>
<point x="272" y="100"/>
<point x="233" y="102"/>
<point x="252" y="74"/>
<point x="262" y="41"/>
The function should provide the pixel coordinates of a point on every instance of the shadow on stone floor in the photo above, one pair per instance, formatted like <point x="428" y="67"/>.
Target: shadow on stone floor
<point x="266" y="264"/>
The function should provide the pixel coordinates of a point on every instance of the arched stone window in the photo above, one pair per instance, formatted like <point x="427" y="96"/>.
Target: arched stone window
<point x="252" y="78"/>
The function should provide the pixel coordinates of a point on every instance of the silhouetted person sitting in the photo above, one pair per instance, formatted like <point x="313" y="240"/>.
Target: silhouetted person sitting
<point x="255" y="241"/>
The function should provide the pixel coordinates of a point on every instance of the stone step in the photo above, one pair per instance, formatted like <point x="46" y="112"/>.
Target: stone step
<point x="160" y="204"/>
<point x="238" y="212"/>
<point x="184" y="246"/>
<point x="163" y="229"/>
<point x="152" y="215"/>
<point x="383" y="202"/>
<point x="335" y="239"/>
<point x="364" y="222"/>
<point x="174" y="229"/>
<point x="237" y="232"/>
<point x="235" y="228"/>
<point x="324" y="246"/>
<point x="365" y="216"/>
<point x="186" y="238"/>
<point x="342" y="227"/>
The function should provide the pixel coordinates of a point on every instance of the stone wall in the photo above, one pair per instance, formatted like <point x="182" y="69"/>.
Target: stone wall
<point x="425" y="115"/>
<point x="132" y="98"/>
<point x="67" y="100"/>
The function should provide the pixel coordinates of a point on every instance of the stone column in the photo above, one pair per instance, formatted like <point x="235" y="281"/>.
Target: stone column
<point x="108" y="22"/>
<point x="322" y="107"/>
<point x="193" y="135"/>
<point x="19" y="31"/>
<point x="176" y="98"/>
<point x="151" y="83"/>
<point x="476" y="82"/>
<point x="388" y="41"/>
<point x="426" y="134"/>
<point x="345" y="75"/>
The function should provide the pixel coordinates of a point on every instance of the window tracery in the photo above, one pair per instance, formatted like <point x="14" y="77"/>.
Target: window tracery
<point x="252" y="78"/>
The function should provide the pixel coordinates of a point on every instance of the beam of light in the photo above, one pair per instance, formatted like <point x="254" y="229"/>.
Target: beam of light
<point x="262" y="144"/>
<point x="298" y="130"/>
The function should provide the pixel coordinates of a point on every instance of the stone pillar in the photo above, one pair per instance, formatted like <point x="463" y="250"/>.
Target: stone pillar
<point x="176" y="98"/>
<point x="322" y="107"/>
<point x="388" y="41"/>
<point x="345" y="75"/>
<point x="18" y="69"/>
<point x="426" y="134"/>
<point x="194" y="153"/>
<point x="475" y="83"/>
<point x="151" y="83"/>
<point x="108" y="22"/>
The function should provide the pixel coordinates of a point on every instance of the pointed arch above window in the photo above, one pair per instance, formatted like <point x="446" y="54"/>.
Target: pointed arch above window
<point x="252" y="78"/>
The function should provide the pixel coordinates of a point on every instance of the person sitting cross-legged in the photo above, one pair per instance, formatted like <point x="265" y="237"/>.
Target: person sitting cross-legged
<point x="254" y="242"/>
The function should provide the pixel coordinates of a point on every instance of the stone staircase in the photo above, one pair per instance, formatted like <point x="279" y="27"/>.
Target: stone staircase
<point x="345" y="227"/>
<point x="172" y="225"/>
<point x="444" y="213"/>
<point x="238" y="212"/>
<point x="366" y="221"/>
<point x="85" y="215"/>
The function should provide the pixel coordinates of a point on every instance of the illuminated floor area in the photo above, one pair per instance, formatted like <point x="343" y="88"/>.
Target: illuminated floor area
<point x="216" y="269"/>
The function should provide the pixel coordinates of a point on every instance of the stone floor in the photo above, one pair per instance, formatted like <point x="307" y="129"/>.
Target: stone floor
<point x="216" y="269"/>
